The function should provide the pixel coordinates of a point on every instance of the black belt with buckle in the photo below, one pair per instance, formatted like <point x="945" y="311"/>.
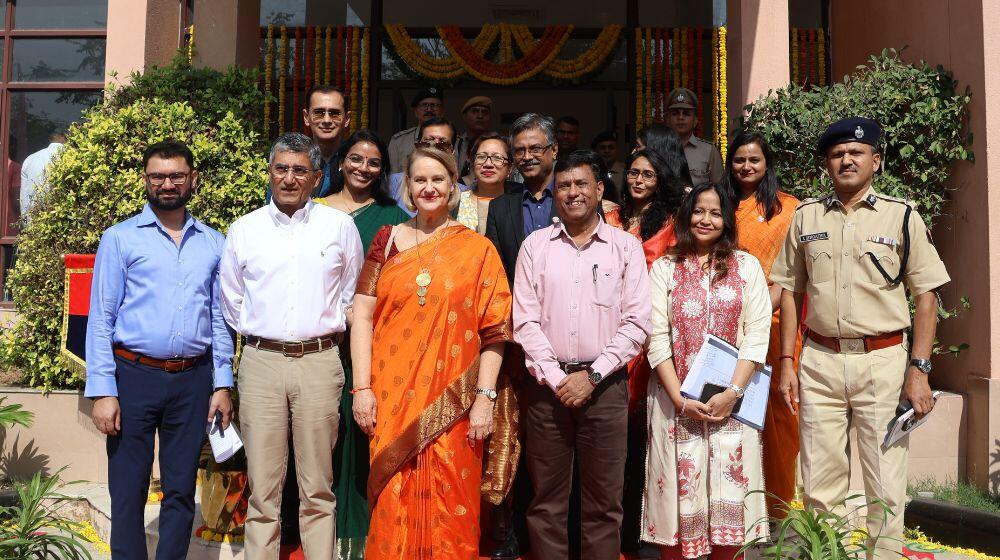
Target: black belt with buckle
<point x="296" y="348"/>
<point x="574" y="366"/>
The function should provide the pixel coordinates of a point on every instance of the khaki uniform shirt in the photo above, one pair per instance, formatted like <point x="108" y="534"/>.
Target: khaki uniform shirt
<point x="704" y="161"/>
<point x="826" y="255"/>
<point x="400" y="147"/>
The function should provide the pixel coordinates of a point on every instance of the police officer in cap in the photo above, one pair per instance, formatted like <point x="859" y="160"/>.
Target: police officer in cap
<point x="703" y="158"/>
<point x="427" y="104"/>
<point x="856" y="253"/>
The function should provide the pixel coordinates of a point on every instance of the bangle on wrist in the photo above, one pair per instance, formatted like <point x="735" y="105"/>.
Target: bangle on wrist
<point x="786" y="357"/>
<point x="684" y="406"/>
<point x="359" y="389"/>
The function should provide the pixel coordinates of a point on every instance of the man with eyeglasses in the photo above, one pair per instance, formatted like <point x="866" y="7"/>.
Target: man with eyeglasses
<point x="288" y="275"/>
<point x="159" y="355"/>
<point x="326" y="116"/>
<point x="427" y="104"/>
<point x="704" y="159"/>
<point x="437" y="133"/>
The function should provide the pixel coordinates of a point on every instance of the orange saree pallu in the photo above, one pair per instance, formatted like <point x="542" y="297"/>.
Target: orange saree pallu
<point x="426" y="480"/>
<point x="780" y="437"/>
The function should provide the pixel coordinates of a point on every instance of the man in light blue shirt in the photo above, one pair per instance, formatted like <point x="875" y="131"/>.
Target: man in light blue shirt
<point x="159" y="353"/>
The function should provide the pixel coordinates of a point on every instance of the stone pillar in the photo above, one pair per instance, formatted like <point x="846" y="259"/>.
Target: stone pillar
<point x="964" y="37"/>
<point x="758" y="50"/>
<point x="227" y="33"/>
<point x="141" y="33"/>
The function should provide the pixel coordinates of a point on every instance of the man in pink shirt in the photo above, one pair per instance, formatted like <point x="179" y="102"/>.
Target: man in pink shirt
<point x="581" y="312"/>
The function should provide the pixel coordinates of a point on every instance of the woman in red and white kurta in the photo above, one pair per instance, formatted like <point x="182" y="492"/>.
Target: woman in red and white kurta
<point x="701" y="462"/>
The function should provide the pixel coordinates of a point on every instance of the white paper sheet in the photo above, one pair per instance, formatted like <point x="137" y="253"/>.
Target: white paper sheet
<point x="225" y="443"/>
<point x="905" y="423"/>
<point x="716" y="363"/>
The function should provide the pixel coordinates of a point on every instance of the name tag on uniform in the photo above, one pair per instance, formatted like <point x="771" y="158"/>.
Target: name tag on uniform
<point x="883" y="240"/>
<point x="814" y="237"/>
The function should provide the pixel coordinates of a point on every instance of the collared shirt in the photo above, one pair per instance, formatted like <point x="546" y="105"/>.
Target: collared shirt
<point x="586" y="303"/>
<point x="704" y="161"/>
<point x="396" y="190"/>
<point x="400" y="146"/>
<point x="33" y="173"/>
<point x="155" y="298"/>
<point x="289" y="278"/>
<point x="828" y="255"/>
<point x="537" y="213"/>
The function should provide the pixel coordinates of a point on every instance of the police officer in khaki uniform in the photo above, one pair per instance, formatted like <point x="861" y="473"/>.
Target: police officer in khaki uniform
<point x="427" y="104"/>
<point x="704" y="159"/>
<point x="856" y="253"/>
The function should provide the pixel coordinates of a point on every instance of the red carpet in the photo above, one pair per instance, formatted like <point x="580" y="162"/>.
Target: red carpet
<point x="295" y="553"/>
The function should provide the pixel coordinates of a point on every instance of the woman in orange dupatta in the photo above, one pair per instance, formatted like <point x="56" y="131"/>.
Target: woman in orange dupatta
<point x="431" y="316"/>
<point x="762" y="221"/>
<point x="649" y="201"/>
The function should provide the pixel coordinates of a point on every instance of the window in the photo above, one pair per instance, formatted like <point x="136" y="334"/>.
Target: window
<point x="52" y="56"/>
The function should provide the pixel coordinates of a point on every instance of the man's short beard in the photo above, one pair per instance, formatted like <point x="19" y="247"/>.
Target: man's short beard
<point x="179" y="202"/>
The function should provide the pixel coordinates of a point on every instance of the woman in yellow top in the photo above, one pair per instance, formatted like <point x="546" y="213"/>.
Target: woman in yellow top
<point x="763" y="217"/>
<point x="432" y="313"/>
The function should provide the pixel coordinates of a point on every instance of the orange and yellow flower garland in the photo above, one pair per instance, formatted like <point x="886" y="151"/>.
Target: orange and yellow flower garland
<point x="268" y="73"/>
<point x="640" y="56"/>
<point x="364" y="78"/>
<point x="794" y="50"/>
<point x="821" y="56"/>
<point x="721" y="135"/>
<point x="355" y="78"/>
<point x="530" y="64"/>
<point x="575" y="68"/>
<point x="436" y="68"/>
<point x="297" y="59"/>
<point x="282" y="72"/>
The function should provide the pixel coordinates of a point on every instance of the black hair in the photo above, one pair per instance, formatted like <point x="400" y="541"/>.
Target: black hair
<point x="767" y="189"/>
<point x="666" y="199"/>
<point x="725" y="245"/>
<point x="436" y="121"/>
<point x="380" y="186"/>
<point x="168" y="149"/>
<point x="581" y="158"/>
<point x="568" y="120"/>
<point x="665" y="142"/>
<point x="329" y="88"/>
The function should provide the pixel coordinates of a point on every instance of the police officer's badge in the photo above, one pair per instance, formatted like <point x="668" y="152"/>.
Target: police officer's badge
<point x="859" y="133"/>
<point x="680" y="97"/>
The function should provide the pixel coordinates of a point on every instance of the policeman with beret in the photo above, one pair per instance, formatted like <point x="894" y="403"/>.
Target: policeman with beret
<point x="856" y="253"/>
<point x="704" y="159"/>
<point x="427" y="104"/>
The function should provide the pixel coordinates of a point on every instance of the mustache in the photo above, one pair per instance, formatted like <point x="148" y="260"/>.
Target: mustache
<point x="532" y="161"/>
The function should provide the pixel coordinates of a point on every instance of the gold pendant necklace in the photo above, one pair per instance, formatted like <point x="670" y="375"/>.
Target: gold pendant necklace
<point x="423" y="278"/>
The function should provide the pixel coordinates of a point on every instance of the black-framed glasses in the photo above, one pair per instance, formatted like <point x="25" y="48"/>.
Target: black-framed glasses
<point x="533" y="151"/>
<point x="430" y="105"/>
<point x="334" y="114"/>
<point x="280" y="170"/>
<point x="496" y="159"/>
<point x="158" y="179"/>
<point x="359" y="161"/>
<point x="645" y="174"/>
<point x="443" y="145"/>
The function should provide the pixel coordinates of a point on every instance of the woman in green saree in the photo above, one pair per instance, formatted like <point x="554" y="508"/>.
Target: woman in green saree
<point x="362" y="192"/>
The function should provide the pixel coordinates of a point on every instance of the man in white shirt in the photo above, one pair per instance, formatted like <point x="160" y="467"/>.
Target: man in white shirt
<point x="33" y="170"/>
<point x="288" y="275"/>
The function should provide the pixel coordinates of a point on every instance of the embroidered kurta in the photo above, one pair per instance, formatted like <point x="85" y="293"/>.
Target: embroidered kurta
<point x="698" y="473"/>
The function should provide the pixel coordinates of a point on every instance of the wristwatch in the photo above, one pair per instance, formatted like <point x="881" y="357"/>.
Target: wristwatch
<point x="594" y="377"/>
<point x="489" y="393"/>
<point x="923" y="365"/>
<point x="738" y="390"/>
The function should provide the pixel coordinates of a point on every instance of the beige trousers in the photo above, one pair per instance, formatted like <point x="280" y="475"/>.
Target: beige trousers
<point x="836" y="392"/>
<point x="275" y="390"/>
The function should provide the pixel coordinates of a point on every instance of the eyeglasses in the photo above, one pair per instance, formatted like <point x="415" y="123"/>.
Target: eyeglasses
<point x="497" y="159"/>
<point x="443" y="145"/>
<point x="359" y="161"/>
<point x="429" y="105"/>
<point x="281" y="170"/>
<point x="158" y="179"/>
<point x="335" y="114"/>
<point x="534" y="151"/>
<point x="635" y="173"/>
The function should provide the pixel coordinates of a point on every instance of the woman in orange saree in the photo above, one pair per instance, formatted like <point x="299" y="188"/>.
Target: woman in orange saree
<point x="649" y="201"/>
<point x="763" y="217"/>
<point x="431" y="316"/>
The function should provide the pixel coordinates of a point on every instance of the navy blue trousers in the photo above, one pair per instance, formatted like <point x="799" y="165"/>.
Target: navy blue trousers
<point x="175" y="405"/>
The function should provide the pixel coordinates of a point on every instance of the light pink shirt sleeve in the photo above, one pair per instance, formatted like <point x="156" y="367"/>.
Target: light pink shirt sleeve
<point x="539" y="356"/>
<point x="635" y="324"/>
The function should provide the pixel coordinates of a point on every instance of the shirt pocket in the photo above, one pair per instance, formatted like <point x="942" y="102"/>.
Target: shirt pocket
<point x="607" y="287"/>
<point x="819" y="260"/>
<point x="885" y="256"/>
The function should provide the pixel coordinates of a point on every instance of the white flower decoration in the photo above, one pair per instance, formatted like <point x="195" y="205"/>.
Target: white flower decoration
<point x="726" y="293"/>
<point x="691" y="309"/>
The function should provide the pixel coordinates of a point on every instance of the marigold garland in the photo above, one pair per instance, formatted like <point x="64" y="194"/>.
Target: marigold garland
<point x="348" y="76"/>
<point x="821" y="56"/>
<point x="664" y="72"/>
<point x="715" y="75"/>
<point x="722" y="136"/>
<point x="530" y="64"/>
<point x="364" y="79"/>
<point x="648" y="73"/>
<point x="317" y="51"/>
<point x="296" y="73"/>
<point x="813" y="59"/>
<point x="327" y="50"/>
<point x="190" y="45"/>
<point x="699" y="78"/>
<point x="355" y="79"/>
<point x="268" y="74"/>
<point x="436" y="68"/>
<point x="677" y="58"/>
<point x="654" y="76"/>
<point x="639" y="57"/>
<point x="575" y="68"/>
<point x="338" y="57"/>
<point x="308" y="64"/>
<point x="282" y="72"/>
<point x="795" y="55"/>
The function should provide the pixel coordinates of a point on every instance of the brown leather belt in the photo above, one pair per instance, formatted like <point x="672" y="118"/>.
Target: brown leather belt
<point x="857" y="345"/>
<point x="296" y="348"/>
<point x="574" y="366"/>
<point x="173" y="365"/>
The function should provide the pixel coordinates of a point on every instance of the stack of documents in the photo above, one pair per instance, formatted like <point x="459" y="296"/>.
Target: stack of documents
<point x="716" y="363"/>
<point x="225" y="443"/>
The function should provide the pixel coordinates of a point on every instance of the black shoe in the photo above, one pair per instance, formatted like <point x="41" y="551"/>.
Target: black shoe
<point x="509" y="549"/>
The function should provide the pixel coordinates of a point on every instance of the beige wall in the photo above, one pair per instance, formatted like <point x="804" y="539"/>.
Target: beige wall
<point x="758" y="50"/>
<point x="961" y="35"/>
<point x="141" y="33"/>
<point x="227" y="32"/>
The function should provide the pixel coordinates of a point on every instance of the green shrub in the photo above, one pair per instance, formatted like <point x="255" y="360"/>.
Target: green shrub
<point x="923" y="117"/>
<point x="96" y="182"/>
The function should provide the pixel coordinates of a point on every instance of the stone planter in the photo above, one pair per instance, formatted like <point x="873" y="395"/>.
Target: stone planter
<point x="955" y="525"/>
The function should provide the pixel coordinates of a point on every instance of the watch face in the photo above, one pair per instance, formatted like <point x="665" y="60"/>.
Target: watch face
<point x="594" y="377"/>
